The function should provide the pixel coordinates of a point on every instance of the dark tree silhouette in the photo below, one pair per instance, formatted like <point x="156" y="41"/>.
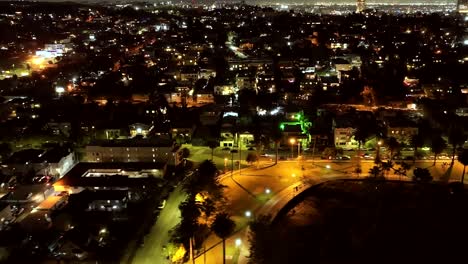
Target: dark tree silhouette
<point x="184" y="153"/>
<point x="223" y="227"/>
<point x="456" y="137"/>
<point x="422" y="175"/>
<point x="212" y="144"/>
<point x="416" y="141"/>
<point x="438" y="145"/>
<point x="463" y="159"/>
<point x="276" y="136"/>
<point x="393" y="145"/>
<point x="251" y="157"/>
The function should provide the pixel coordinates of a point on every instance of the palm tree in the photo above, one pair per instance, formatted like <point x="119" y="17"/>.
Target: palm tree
<point x="361" y="134"/>
<point x="190" y="211"/>
<point x="416" y="141"/>
<point x="463" y="159"/>
<point x="276" y="136"/>
<point x="375" y="171"/>
<point x="386" y="167"/>
<point x="456" y="137"/>
<point x="184" y="153"/>
<point x="223" y="227"/>
<point x="438" y="145"/>
<point x="422" y="175"/>
<point x="204" y="179"/>
<point x="393" y="145"/>
<point x="212" y="144"/>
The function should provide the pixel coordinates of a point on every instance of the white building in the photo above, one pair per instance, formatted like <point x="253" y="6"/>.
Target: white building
<point x="344" y="138"/>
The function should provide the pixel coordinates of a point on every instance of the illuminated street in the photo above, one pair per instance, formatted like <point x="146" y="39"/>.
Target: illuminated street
<point x="152" y="249"/>
<point x="153" y="132"/>
<point x="246" y="192"/>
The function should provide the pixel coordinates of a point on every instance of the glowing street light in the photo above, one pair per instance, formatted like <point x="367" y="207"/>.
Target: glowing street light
<point x="292" y="141"/>
<point x="377" y="155"/>
<point x="248" y="214"/>
<point x="267" y="191"/>
<point x="238" y="242"/>
<point x="327" y="166"/>
<point x="59" y="90"/>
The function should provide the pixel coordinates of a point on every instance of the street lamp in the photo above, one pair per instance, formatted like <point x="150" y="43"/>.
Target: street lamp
<point x="248" y="214"/>
<point x="238" y="242"/>
<point x="232" y="160"/>
<point x="225" y="164"/>
<point x="292" y="141"/>
<point x="267" y="191"/>
<point x="377" y="155"/>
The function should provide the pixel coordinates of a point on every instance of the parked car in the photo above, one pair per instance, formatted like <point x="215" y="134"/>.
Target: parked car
<point x="344" y="157"/>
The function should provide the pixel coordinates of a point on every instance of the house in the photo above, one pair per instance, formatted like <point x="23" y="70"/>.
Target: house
<point x="59" y="128"/>
<point x="402" y="129"/>
<point x="182" y="131"/>
<point x="189" y="73"/>
<point x="53" y="162"/>
<point x="293" y="134"/>
<point x="210" y="115"/>
<point x="110" y="200"/>
<point x="113" y="133"/>
<point x="246" y="80"/>
<point x="329" y="81"/>
<point x="343" y="132"/>
<point x="344" y="138"/>
<point x="203" y="97"/>
<point x="225" y="89"/>
<point x="206" y="74"/>
<point x="139" y="129"/>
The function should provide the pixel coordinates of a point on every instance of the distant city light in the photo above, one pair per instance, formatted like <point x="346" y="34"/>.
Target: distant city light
<point x="234" y="114"/>
<point x="59" y="89"/>
<point x="38" y="60"/>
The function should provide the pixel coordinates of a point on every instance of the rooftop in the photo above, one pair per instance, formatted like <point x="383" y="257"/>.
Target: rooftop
<point x="116" y="174"/>
<point x="37" y="156"/>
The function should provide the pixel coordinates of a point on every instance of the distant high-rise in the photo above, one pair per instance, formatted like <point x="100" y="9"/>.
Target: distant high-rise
<point x="361" y="5"/>
<point x="462" y="6"/>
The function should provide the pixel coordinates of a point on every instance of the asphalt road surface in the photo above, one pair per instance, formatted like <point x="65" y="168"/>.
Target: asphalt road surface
<point x="151" y="252"/>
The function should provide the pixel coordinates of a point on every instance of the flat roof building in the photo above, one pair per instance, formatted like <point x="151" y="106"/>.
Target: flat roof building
<point x="111" y="176"/>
